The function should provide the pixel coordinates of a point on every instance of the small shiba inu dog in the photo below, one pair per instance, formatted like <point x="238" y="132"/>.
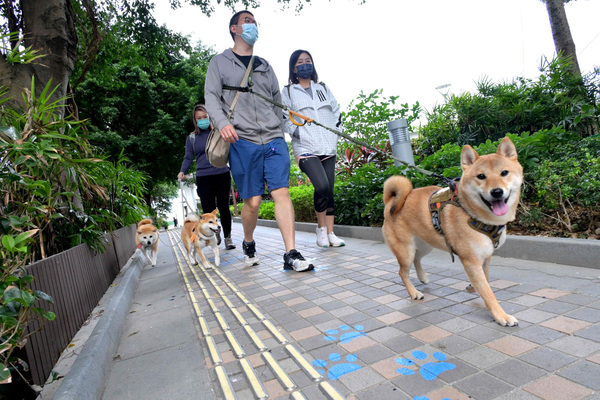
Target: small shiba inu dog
<point x="468" y="221"/>
<point x="198" y="233"/>
<point x="146" y="238"/>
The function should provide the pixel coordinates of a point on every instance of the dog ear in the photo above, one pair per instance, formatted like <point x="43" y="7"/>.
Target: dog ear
<point x="215" y="211"/>
<point x="507" y="149"/>
<point x="468" y="156"/>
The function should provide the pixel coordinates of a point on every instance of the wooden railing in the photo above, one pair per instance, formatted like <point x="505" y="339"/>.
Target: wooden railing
<point x="76" y="280"/>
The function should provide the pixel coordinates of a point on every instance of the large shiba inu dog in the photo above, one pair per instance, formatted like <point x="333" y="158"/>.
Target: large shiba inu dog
<point x="468" y="221"/>
<point x="198" y="233"/>
<point x="146" y="239"/>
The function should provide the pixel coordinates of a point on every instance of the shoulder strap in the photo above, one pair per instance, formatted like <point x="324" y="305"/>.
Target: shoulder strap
<point x="244" y="79"/>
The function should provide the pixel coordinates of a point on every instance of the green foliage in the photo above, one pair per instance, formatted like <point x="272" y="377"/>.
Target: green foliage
<point x="16" y="54"/>
<point x="18" y="301"/>
<point x="123" y="188"/>
<point x="267" y="210"/>
<point x="55" y="195"/>
<point x="366" y="120"/>
<point x="557" y="99"/>
<point x="564" y="184"/>
<point x="140" y="91"/>
<point x="303" y="199"/>
<point x="358" y="200"/>
<point x="368" y="115"/>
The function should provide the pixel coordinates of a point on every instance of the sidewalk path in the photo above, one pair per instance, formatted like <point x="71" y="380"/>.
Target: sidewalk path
<point x="347" y="330"/>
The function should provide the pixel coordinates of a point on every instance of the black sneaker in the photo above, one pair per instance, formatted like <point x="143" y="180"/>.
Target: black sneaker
<point x="294" y="260"/>
<point x="250" y="258"/>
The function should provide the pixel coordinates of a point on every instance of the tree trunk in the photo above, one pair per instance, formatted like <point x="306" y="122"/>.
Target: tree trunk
<point x="561" y="33"/>
<point x="48" y="26"/>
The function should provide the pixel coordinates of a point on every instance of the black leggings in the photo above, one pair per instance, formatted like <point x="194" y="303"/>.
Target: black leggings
<point x="321" y="172"/>
<point x="213" y="191"/>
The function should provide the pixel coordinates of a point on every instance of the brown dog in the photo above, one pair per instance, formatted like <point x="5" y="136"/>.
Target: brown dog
<point x="146" y="238"/>
<point x="198" y="233"/>
<point x="471" y="225"/>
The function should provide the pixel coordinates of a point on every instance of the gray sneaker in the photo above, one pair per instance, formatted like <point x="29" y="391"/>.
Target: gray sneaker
<point x="229" y="243"/>
<point x="294" y="260"/>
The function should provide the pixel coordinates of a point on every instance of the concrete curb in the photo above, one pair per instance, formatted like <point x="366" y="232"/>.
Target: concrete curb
<point x="575" y="252"/>
<point x="87" y="377"/>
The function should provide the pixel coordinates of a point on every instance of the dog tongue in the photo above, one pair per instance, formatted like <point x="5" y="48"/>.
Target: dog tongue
<point x="499" y="207"/>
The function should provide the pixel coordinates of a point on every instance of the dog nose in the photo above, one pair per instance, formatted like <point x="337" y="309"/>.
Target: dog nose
<point x="497" y="193"/>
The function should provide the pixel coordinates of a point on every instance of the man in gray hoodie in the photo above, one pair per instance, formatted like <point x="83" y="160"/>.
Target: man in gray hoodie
<point x="259" y="154"/>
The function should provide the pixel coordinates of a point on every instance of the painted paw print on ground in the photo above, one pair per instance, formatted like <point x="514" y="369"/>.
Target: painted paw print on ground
<point x="338" y="369"/>
<point x="429" y="371"/>
<point x="427" y="398"/>
<point x="347" y="335"/>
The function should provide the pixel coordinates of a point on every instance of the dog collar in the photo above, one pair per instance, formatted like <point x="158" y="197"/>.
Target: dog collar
<point x="443" y="197"/>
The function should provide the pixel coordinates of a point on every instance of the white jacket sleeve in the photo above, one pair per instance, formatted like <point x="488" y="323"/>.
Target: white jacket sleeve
<point x="337" y="114"/>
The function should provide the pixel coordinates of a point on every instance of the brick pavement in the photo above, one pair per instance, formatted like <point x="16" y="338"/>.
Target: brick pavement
<point x="348" y="330"/>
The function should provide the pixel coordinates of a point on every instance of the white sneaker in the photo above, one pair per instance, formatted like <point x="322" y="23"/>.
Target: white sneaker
<point x="335" y="241"/>
<point x="322" y="240"/>
<point x="294" y="260"/>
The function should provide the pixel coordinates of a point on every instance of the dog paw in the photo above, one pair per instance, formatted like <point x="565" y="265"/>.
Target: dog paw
<point x="507" y="320"/>
<point x="470" y="288"/>
<point x="417" y="295"/>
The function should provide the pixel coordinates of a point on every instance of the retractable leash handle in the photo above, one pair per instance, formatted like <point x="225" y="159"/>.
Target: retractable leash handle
<point x="306" y="119"/>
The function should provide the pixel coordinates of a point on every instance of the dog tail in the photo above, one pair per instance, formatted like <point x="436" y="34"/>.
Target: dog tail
<point x="395" y="191"/>
<point x="145" y="222"/>
<point x="191" y="218"/>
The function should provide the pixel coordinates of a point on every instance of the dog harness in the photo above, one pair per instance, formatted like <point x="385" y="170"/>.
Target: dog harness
<point x="205" y="238"/>
<point x="443" y="197"/>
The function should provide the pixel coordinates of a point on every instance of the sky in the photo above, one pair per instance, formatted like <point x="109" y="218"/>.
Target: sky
<point x="407" y="48"/>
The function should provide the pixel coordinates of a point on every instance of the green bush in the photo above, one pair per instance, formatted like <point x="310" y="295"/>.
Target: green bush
<point x="303" y="200"/>
<point x="304" y="203"/>
<point x="358" y="197"/>
<point x="267" y="210"/>
<point x="557" y="98"/>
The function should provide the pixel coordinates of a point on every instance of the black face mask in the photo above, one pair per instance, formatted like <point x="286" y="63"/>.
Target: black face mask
<point x="304" y="71"/>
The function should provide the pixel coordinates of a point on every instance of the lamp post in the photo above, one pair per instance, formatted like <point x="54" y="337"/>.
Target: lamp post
<point x="400" y="141"/>
<point x="442" y="87"/>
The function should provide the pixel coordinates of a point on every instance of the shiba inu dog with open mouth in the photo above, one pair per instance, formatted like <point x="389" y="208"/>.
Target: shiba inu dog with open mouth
<point x="146" y="239"/>
<point x="198" y="233"/>
<point x="468" y="220"/>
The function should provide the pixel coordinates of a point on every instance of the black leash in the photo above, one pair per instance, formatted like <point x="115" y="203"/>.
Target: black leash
<point x="309" y="121"/>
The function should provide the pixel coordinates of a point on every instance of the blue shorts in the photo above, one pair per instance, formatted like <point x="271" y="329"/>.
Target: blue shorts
<point x="254" y="165"/>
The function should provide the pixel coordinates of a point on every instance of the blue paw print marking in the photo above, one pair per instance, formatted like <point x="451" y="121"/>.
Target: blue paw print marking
<point x="429" y="371"/>
<point x="346" y="336"/>
<point x="427" y="398"/>
<point x="339" y="369"/>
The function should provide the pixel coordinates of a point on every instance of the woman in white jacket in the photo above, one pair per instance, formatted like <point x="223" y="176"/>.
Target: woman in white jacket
<point x="314" y="146"/>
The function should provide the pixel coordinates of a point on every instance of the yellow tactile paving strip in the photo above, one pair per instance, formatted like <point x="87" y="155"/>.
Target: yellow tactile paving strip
<point x="206" y="282"/>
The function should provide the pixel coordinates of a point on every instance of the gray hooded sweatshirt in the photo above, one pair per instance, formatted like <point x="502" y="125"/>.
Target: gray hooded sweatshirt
<point x="253" y="118"/>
